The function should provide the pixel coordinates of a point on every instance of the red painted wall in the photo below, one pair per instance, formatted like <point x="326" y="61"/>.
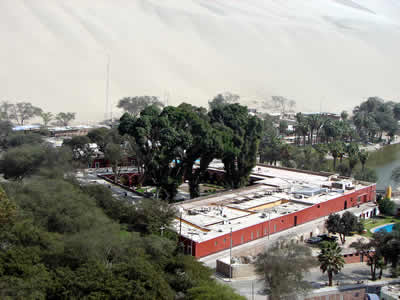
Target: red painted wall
<point x="282" y="223"/>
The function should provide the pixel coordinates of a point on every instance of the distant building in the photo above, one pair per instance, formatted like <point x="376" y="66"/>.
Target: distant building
<point x="328" y="115"/>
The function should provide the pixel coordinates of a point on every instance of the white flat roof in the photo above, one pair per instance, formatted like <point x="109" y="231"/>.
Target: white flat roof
<point x="272" y="197"/>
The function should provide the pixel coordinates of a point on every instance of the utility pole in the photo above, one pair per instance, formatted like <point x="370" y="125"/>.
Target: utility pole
<point x="162" y="230"/>
<point x="230" y="258"/>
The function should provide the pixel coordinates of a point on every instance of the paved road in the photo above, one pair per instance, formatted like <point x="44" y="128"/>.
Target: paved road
<point x="118" y="192"/>
<point x="350" y="275"/>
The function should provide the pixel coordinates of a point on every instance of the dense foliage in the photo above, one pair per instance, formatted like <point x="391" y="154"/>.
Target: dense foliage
<point x="63" y="240"/>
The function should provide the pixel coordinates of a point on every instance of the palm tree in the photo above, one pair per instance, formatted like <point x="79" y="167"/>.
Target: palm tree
<point x="336" y="149"/>
<point x="330" y="259"/>
<point x="314" y="123"/>
<point x="302" y="127"/>
<point x="353" y="153"/>
<point x="363" y="156"/>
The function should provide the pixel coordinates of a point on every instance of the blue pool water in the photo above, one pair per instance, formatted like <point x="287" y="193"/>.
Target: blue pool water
<point x="387" y="228"/>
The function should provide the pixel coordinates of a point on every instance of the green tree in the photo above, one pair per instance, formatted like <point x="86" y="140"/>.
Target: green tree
<point x="151" y="215"/>
<point x="395" y="176"/>
<point x="270" y="149"/>
<point x="314" y="123"/>
<point x="22" y="161"/>
<point x="342" y="225"/>
<point x="353" y="155"/>
<point x="46" y="118"/>
<point x="19" y="138"/>
<point x="335" y="148"/>
<point x="8" y="209"/>
<point x="134" y="105"/>
<point x="282" y="269"/>
<point x="372" y="250"/>
<point x="213" y="291"/>
<point x="223" y="99"/>
<point x="368" y="175"/>
<point x="64" y="118"/>
<point x="281" y="104"/>
<point x="302" y="127"/>
<point x="386" y="206"/>
<point x="396" y="111"/>
<point x="80" y="146"/>
<point x="241" y="134"/>
<point x="158" y="142"/>
<point x="114" y="154"/>
<point x="283" y="127"/>
<point x="100" y="136"/>
<point x="23" y="111"/>
<point x="363" y="156"/>
<point x="330" y="259"/>
<point x="5" y="111"/>
<point x="344" y="115"/>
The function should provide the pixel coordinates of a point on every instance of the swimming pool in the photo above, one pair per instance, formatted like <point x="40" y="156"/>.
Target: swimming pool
<point x="387" y="228"/>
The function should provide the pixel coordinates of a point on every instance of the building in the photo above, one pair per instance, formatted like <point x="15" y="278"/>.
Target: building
<point x="390" y="292"/>
<point x="279" y="199"/>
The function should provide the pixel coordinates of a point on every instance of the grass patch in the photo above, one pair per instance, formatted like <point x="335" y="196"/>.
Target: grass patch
<point x="124" y="234"/>
<point x="378" y="221"/>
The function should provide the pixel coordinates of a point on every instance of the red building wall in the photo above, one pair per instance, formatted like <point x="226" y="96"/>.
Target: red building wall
<point x="282" y="223"/>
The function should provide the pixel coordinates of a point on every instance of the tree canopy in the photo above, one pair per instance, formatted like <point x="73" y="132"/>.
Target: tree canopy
<point x="134" y="105"/>
<point x="282" y="269"/>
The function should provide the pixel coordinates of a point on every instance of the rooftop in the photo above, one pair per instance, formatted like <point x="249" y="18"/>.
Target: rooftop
<point x="277" y="192"/>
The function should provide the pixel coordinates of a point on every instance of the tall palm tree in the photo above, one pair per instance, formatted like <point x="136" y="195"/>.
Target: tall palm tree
<point x="330" y="259"/>
<point x="353" y="154"/>
<point x="363" y="156"/>
<point x="302" y="127"/>
<point x="335" y="148"/>
<point x="314" y="123"/>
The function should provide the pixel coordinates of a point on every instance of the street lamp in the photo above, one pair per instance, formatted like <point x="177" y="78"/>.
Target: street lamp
<point x="269" y="221"/>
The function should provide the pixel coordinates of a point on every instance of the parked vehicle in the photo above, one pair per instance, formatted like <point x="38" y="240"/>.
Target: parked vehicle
<point x="326" y="237"/>
<point x="314" y="240"/>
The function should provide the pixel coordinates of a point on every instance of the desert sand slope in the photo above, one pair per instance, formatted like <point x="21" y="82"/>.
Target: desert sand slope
<point x="332" y="53"/>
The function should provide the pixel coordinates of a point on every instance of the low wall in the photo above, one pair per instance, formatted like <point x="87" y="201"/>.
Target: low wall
<point x="238" y="270"/>
<point x="248" y="270"/>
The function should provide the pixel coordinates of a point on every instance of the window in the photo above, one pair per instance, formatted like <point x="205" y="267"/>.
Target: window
<point x="258" y="233"/>
<point x="274" y="227"/>
<point x="242" y="239"/>
<point x="265" y="231"/>
<point x="224" y="240"/>
<point x="359" y="199"/>
<point x="215" y="243"/>
<point x="252" y="235"/>
<point x="319" y="206"/>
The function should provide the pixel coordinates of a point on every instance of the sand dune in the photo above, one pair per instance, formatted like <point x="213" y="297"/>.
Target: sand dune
<point x="329" y="53"/>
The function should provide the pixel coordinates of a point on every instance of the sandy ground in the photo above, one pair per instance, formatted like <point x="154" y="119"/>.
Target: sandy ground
<point x="327" y="55"/>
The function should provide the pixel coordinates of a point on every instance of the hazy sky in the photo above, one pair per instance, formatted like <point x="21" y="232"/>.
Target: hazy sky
<point x="332" y="53"/>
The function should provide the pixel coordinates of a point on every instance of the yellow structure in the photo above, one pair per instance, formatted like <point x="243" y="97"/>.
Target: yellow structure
<point x="389" y="192"/>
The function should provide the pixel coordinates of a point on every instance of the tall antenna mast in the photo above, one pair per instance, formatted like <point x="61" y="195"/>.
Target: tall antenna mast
<point x="108" y="89"/>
